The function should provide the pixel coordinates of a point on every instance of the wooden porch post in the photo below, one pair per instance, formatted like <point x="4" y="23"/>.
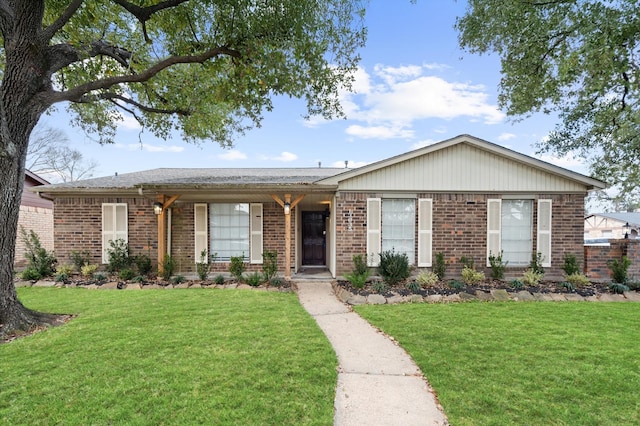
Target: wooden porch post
<point x="162" y="227"/>
<point x="287" y="206"/>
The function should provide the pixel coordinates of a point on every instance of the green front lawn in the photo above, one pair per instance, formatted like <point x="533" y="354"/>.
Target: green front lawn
<point x="524" y="363"/>
<point x="169" y="357"/>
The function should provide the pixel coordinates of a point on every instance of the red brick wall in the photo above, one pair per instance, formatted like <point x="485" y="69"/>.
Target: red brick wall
<point x="597" y="259"/>
<point x="38" y="219"/>
<point x="460" y="229"/>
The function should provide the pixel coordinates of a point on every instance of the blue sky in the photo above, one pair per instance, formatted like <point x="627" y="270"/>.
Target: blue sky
<point x="414" y="87"/>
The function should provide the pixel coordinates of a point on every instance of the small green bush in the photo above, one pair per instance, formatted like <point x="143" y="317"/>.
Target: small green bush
<point x="139" y="279"/>
<point x="219" y="279"/>
<point x="358" y="277"/>
<point x="618" y="288"/>
<point x="517" y="284"/>
<point x="357" y="281"/>
<point x="30" y="274"/>
<point x="531" y="277"/>
<point x="379" y="287"/>
<point x="428" y="279"/>
<point x="470" y="276"/>
<point x="275" y="282"/>
<point x="100" y="276"/>
<point x="79" y="259"/>
<point x="567" y="286"/>
<point x="394" y="267"/>
<point x="65" y="269"/>
<point x="456" y="285"/>
<point x="237" y="267"/>
<point x="413" y="286"/>
<point x="39" y="259"/>
<point x="467" y="262"/>
<point x="61" y="277"/>
<point x="536" y="263"/>
<point x="203" y="265"/>
<point x="118" y="255"/>
<point x="126" y="274"/>
<point x="168" y="266"/>
<point x="577" y="279"/>
<point x="143" y="263"/>
<point x="570" y="266"/>
<point x="269" y="265"/>
<point x="178" y="279"/>
<point x="440" y="267"/>
<point x="619" y="269"/>
<point x="88" y="270"/>
<point x="497" y="266"/>
<point x="254" y="279"/>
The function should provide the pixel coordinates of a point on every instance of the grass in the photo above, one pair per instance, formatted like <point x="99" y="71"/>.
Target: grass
<point x="169" y="357"/>
<point x="524" y="363"/>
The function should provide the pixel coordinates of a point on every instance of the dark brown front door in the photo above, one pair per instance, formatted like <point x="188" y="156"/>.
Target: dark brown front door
<point x="313" y="239"/>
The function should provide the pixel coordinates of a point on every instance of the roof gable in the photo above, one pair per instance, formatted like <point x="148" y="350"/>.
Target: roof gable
<point x="463" y="164"/>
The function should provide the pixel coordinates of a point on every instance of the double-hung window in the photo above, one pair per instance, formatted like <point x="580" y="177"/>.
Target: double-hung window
<point x="114" y="226"/>
<point x="399" y="226"/>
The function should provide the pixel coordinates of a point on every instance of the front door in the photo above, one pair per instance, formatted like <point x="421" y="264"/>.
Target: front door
<point x="313" y="238"/>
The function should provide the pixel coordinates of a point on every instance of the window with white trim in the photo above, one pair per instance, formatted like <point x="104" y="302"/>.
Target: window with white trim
<point x="229" y="230"/>
<point x="399" y="226"/>
<point x="517" y="231"/>
<point x="114" y="226"/>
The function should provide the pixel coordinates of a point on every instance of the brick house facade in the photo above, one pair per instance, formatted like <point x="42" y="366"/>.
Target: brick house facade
<point x="461" y="197"/>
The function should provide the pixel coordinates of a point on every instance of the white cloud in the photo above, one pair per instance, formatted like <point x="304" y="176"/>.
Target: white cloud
<point x="127" y="122"/>
<point x="422" y="144"/>
<point x="284" y="157"/>
<point x="378" y="132"/>
<point x="506" y="136"/>
<point x="569" y="161"/>
<point x="392" y="99"/>
<point x="232" y="155"/>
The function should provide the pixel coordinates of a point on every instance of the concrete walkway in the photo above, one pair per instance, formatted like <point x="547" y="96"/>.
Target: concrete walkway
<point x="378" y="383"/>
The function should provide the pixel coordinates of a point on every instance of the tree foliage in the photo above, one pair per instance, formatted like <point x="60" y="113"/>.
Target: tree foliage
<point x="578" y="59"/>
<point x="207" y="68"/>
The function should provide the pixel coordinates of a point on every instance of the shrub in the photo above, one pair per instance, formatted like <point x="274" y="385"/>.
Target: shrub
<point x="168" y="266"/>
<point x="517" y="284"/>
<point x="119" y="255"/>
<point x="61" y="277"/>
<point x="39" y="259"/>
<point x="358" y="277"/>
<point x="126" y="274"/>
<point x="577" y="279"/>
<point x="428" y="279"/>
<point x="497" y="266"/>
<point x="65" y="269"/>
<point x="532" y="277"/>
<point x="619" y="269"/>
<point x="567" y="286"/>
<point x="237" y="267"/>
<point x="143" y="263"/>
<point x="618" y="288"/>
<point x="30" y="274"/>
<point x="536" y="263"/>
<point x="440" y="268"/>
<point x="379" y="287"/>
<point x="393" y="267"/>
<point x="138" y="279"/>
<point x="219" y="279"/>
<point x="470" y="276"/>
<point x="467" y="262"/>
<point x="269" y="265"/>
<point x="178" y="279"/>
<point x="88" y="270"/>
<point x="254" y="279"/>
<point x="275" y="282"/>
<point x="79" y="259"/>
<point x="413" y="286"/>
<point x="570" y="266"/>
<point x="204" y="265"/>
<point x="100" y="276"/>
<point x="456" y="285"/>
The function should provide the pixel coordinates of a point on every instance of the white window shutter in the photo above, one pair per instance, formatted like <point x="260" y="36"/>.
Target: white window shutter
<point x="200" y="230"/>
<point x="374" y="234"/>
<point x="425" y="232"/>
<point x="494" y="226"/>
<point x="544" y="232"/>
<point x="255" y="230"/>
<point x="114" y="226"/>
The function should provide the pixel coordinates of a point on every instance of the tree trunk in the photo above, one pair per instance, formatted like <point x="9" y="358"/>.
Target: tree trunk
<point x="24" y="77"/>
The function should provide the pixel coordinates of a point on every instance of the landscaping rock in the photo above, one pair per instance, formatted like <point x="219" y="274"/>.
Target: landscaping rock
<point x="344" y="295"/>
<point x="452" y="298"/>
<point x="500" y="295"/>
<point x="484" y="296"/>
<point x="415" y="298"/>
<point x="524" y="296"/>
<point x="356" y="299"/>
<point x="44" y="284"/>
<point x="467" y="297"/>
<point x="182" y="285"/>
<point x="113" y="285"/>
<point x="154" y="287"/>
<point x="546" y="297"/>
<point x="396" y="298"/>
<point x="134" y="286"/>
<point x="573" y="297"/>
<point x="632" y="296"/>
<point x="433" y="298"/>
<point x="376" y="299"/>
<point x="23" y="284"/>
<point x="196" y="285"/>
<point x="607" y="297"/>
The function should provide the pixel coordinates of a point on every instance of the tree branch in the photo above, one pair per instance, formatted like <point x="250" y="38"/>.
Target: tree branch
<point x="75" y="94"/>
<point x="52" y="29"/>
<point x="63" y="55"/>
<point x="143" y="14"/>
<point x="114" y="97"/>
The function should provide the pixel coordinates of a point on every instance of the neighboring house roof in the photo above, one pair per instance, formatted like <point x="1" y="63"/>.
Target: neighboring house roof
<point x="632" y="218"/>
<point x="464" y="163"/>
<point x="29" y="198"/>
